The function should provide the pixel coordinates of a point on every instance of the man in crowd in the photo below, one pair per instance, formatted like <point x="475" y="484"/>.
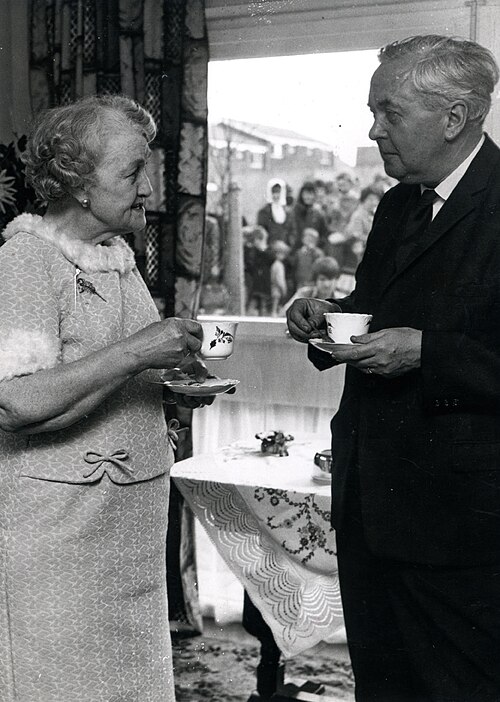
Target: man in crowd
<point x="416" y="477"/>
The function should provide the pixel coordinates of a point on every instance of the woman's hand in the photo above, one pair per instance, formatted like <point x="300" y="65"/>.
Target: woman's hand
<point x="188" y="401"/>
<point x="191" y="368"/>
<point x="165" y="344"/>
<point x="305" y="318"/>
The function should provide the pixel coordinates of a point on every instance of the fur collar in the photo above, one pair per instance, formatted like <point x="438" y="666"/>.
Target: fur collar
<point x="116" y="255"/>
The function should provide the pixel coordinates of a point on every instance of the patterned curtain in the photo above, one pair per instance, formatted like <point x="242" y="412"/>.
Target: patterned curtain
<point x="157" y="53"/>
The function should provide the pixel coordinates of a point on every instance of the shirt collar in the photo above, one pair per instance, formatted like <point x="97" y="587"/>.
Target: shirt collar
<point x="446" y="186"/>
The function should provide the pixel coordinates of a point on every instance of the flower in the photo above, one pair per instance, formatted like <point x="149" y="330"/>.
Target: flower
<point x="7" y="191"/>
<point x="16" y="195"/>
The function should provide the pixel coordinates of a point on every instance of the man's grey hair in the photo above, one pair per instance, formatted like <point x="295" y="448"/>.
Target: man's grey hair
<point x="445" y="69"/>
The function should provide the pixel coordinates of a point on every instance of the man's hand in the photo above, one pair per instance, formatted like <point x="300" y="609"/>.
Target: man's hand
<point x="389" y="352"/>
<point x="305" y="318"/>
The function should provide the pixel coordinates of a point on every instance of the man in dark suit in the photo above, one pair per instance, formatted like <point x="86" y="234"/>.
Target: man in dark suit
<point x="416" y="440"/>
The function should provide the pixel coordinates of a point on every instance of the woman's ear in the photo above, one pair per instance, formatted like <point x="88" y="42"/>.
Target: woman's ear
<point x="82" y="198"/>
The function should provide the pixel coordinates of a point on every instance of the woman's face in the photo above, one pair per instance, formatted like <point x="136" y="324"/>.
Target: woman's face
<point x="308" y="197"/>
<point x="117" y="199"/>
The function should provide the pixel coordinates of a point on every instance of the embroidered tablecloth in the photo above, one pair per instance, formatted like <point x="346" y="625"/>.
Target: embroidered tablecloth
<point x="270" y="521"/>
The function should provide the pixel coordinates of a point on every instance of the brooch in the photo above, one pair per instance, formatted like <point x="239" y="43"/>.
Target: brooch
<point x="85" y="286"/>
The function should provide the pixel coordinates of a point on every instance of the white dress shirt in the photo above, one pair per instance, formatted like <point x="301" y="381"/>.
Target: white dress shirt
<point x="446" y="186"/>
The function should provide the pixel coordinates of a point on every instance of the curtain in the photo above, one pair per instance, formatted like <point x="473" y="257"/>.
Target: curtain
<point x="157" y="53"/>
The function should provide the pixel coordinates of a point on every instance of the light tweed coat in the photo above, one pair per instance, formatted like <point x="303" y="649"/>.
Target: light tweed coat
<point x="83" y="511"/>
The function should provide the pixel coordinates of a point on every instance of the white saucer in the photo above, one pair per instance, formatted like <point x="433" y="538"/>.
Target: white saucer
<point x="211" y="386"/>
<point x="322" y="478"/>
<point x="329" y="346"/>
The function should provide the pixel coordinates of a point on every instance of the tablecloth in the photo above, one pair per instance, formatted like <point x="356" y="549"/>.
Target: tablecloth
<point x="270" y="522"/>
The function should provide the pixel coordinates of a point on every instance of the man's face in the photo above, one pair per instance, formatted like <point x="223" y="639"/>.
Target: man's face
<point x="409" y="135"/>
<point x="325" y="286"/>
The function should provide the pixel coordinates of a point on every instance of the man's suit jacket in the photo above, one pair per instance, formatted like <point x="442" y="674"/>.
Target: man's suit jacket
<point x="427" y="444"/>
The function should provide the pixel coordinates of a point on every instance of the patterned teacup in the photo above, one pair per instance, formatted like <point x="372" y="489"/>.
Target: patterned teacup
<point x="218" y="339"/>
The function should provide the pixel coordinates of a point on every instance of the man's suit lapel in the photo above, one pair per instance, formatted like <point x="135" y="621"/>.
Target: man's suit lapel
<point x="463" y="200"/>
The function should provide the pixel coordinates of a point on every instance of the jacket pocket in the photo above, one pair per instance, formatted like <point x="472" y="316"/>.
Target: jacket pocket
<point x="475" y="456"/>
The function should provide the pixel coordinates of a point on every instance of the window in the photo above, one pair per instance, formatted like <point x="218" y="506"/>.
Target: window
<point x="318" y="103"/>
<point x="258" y="161"/>
<point x="277" y="150"/>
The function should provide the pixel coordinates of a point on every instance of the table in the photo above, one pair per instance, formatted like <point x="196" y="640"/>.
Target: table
<point x="270" y="521"/>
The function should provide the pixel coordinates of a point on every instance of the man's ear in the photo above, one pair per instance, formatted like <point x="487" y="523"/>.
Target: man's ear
<point x="457" y="115"/>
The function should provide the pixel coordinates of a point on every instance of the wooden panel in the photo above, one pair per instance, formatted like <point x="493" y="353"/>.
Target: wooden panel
<point x="240" y="29"/>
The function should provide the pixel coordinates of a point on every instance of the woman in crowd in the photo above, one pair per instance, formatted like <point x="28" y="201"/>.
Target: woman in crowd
<point x="275" y="217"/>
<point x="307" y="215"/>
<point x="360" y="223"/>
<point x="84" y="449"/>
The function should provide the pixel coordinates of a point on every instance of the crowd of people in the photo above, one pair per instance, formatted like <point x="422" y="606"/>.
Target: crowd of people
<point x="297" y="244"/>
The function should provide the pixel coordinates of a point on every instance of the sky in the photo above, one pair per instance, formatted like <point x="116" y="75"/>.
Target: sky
<point x="323" y="96"/>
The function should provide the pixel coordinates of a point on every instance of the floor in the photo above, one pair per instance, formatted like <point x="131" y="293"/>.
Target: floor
<point x="219" y="666"/>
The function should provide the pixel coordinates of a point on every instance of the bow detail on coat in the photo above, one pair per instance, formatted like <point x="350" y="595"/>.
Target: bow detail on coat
<point x="96" y="460"/>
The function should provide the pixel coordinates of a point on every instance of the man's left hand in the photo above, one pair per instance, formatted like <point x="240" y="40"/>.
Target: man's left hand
<point x="389" y="352"/>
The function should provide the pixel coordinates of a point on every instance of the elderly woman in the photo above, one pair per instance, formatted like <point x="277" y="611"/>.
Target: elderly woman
<point x="84" y="449"/>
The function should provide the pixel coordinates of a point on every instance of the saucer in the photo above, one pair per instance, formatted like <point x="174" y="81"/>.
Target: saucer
<point x="211" y="386"/>
<point x="329" y="346"/>
<point x="322" y="478"/>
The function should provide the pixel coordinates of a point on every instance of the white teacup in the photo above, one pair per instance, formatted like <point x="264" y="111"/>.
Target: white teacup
<point x="218" y="339"/>
<point x="341" y="326"/>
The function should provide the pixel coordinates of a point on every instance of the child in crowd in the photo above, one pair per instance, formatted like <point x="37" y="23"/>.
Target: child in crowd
<point x="326" y="273"/>
<point x="257" y="259"/>
<point x="305" y="257"/>
<point x="279" y="287"/>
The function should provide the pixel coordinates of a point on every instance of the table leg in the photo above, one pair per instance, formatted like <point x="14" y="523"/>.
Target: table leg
<point x="269" y="670"/>
<point x="271" y="686"/>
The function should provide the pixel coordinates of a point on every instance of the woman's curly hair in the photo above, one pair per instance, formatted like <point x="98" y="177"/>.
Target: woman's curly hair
<point x="67" y="142"/>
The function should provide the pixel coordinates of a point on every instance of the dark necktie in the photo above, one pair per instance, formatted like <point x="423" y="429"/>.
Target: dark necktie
<point x="417" y="223"/>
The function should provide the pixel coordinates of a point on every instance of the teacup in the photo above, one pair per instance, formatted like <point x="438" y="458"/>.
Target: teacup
<point x="341" y="326"/>
<point x="218" y="339"/>
<point x="323" y="459"/>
